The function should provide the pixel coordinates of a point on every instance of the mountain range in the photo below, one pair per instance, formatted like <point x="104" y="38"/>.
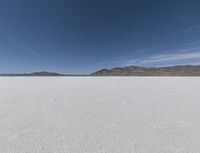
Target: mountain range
<point x="179" y="70"/>
<point x="42" y="73"/>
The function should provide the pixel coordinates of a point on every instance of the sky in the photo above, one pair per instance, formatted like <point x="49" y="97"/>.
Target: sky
<point x="83" y="36"/>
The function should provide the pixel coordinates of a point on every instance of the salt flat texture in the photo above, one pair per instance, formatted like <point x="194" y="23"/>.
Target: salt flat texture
<point x="99" y="115"/>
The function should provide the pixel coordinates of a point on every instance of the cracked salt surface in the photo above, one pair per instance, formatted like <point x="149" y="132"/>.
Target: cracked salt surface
<point x="99" y="115"/>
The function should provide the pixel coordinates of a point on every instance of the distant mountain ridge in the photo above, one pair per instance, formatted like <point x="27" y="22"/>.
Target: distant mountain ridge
<point x="42" y="73"/>
<point x="179" y="70"/>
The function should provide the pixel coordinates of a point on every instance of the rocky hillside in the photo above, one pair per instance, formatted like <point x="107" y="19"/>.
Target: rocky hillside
<point x="182" y="70"/>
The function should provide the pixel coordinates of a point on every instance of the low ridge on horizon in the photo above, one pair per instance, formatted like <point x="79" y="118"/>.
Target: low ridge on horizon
<point x="132" y="70"/>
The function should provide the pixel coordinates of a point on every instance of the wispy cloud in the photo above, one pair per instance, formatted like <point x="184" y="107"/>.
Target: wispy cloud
<point x="20" y="44"/>
<point x="28" y="49"/>
<point x="131" y="62"/>
<point x="182" y="55"/>
<point x="191" y="28"/>
<point x="124" y="60"/>
<point x="173" y="57"/>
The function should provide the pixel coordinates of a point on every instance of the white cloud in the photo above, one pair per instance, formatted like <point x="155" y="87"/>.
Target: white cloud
<point x="191" y="28"/>
<point x="173" y="57"/>
<point x="159" y="58"/>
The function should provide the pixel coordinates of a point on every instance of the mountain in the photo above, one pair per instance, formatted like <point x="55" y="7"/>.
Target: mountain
<point x="42" y="73"/>
<point x="179" y="70"/>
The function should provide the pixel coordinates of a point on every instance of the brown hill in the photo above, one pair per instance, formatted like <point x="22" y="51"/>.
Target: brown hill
<point x="182" y="70"/>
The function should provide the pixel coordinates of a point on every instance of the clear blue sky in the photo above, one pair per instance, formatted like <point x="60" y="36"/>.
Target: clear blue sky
<point x="81" y="36"/>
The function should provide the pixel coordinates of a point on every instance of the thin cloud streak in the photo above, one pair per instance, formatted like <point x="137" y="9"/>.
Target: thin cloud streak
<point x="12" y="39"/>
<point x="191" y="28"/>
<point x="173" y="57"/>
<point x="29" y="50"/>
<point x="164" y="58"/>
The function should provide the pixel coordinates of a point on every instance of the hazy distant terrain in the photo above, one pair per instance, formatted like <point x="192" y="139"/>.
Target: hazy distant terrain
<point x="99" y="115"/>
<point x="42" y="73"/>
<point x="179" y="70"/>
<point x="182" y="70"/>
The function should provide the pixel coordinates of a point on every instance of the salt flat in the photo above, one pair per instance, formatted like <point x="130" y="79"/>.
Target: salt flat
<point x="99" y="115"/>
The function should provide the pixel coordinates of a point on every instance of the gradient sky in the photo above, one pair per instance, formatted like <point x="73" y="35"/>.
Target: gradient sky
<point x="82" y="36"/>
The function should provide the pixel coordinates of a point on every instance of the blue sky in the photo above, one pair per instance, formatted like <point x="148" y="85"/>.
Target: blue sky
<point x="76" y="36"/>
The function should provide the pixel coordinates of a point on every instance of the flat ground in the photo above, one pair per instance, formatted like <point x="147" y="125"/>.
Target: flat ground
<point x="99" y="115"/>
